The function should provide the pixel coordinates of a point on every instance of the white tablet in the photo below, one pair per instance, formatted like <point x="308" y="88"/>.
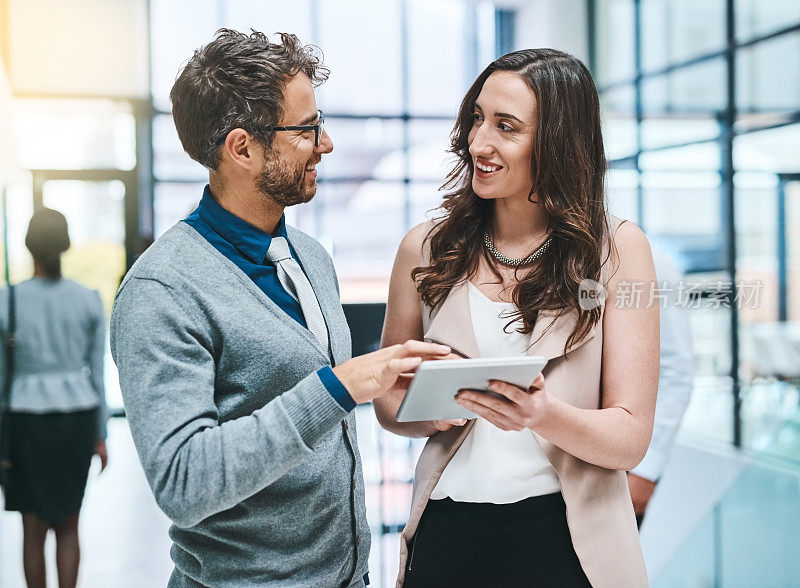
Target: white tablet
<point x="431" y="395"/>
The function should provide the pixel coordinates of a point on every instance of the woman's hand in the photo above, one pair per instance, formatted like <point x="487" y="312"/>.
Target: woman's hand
<point x="448" y="424"/>
<point x="101" y="452"/>
<point x="514" y="409"/>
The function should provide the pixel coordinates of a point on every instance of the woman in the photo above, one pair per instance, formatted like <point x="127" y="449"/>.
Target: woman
<point x="57" y="402"/>
<point x="533" y="491"/>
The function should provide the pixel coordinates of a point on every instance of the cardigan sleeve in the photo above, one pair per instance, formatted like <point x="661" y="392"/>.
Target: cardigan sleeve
<point x="197" y="466"/>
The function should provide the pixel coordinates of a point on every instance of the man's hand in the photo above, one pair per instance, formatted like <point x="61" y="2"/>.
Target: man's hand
<point x="641" y="490"/>
<point x="101" y="452"/>
<point x="375" y="374"/>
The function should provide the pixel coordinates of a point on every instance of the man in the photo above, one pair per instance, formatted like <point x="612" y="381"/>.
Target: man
<point x="674" y="384"/>
<point x="232" y="346"/>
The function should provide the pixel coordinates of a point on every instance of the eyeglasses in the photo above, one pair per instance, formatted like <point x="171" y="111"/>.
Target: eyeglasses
<point x="317" y="128"/>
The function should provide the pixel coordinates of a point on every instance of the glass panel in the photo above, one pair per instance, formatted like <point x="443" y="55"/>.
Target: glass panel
<point x="759" y="17"/>
<point x="700" y="156"/>
<point x="682" y="106"/>
<point x="619" y="122"/>
<point x="363" y="148"/>
<point x="615" y="46"/>
<point x="621" y="190"/>
<point x="174" y="202"/>
<point x="430" y="141"/>
<point x="74" y="134"/>
<point x="365" y="75"/>
<point x="437" y="28"/>
<point x="172" y="45"/>
<point x="698" y="88"/>
<point x="793" y="250"/>
<point x="677" y="30"/>
<point x="96" y="259"/>
<point x="684" y="210"/>
<point x="269" y="17"/>
<point x="768" y="80"/>
<point x="748" y="538"/>
<point x="19" y="208"/>
<point x="170" y="161"/>
<point x="363" y="224"/>
<point x="773" y="150"/>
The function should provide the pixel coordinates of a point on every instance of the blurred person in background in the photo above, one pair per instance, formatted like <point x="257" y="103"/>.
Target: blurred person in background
<point x="57" y="418"/>
<point x="533" y="491"/>
<point x="674" y="383"/>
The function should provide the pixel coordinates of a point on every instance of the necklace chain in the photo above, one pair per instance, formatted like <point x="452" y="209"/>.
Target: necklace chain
<point x="504" y="259"/>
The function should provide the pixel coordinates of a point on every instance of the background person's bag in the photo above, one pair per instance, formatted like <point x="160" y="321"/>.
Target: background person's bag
<point x="9" y="344"/>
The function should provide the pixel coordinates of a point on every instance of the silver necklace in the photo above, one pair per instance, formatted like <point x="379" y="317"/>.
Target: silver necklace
<point x="504" y="259"/>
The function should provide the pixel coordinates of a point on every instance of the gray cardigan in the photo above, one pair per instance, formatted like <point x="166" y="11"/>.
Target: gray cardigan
<point x="244" y="448"/>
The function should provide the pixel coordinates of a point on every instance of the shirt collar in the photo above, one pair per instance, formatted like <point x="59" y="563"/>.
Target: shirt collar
<point x="250" y="240"/>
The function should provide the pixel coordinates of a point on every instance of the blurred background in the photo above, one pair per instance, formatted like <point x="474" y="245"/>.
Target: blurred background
<point x="701" y="104"/>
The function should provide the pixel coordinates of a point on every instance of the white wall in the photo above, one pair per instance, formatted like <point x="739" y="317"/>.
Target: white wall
<point x="82" y="47"/>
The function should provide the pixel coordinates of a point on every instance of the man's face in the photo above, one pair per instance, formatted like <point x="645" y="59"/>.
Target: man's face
<point x="289" y="175"/>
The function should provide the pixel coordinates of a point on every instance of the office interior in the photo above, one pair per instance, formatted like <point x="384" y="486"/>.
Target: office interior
<point x="701" y="110"/>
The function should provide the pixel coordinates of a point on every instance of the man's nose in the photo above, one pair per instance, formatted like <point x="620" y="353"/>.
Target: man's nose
<point x="325" y="143"/>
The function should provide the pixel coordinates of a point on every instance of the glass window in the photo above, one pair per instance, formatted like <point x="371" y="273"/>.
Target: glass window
<point x="793" y="249"/>
<point x="174" y="202"/>
<point x="362" y="223"/>
<point x="677" y="30"/>
<point x="96" y="259"/>
<point x="360" y="146"/>
<point x="269" y="17"/>
<point x="619" y="122"/>
<point x="436" y="30"/>
<point x="172" y="45"/>
<point x="74" y="134"/>
<point x="365" y="70"/>
<point x="699" y="88"/>
<point x="621" y="193"/>
<point x="683" y="209"/>
<point x="615" y="43"/>
<point x="774" y="150"/>
<point x="760" y="17"/>
<point x="170" y="161"/>
<point x="19" y="208"/>
<point x="700" y="156"/>
<point x="768" y="78"/>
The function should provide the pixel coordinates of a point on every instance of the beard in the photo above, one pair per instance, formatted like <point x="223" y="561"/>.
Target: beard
<point x="285" y="183"/>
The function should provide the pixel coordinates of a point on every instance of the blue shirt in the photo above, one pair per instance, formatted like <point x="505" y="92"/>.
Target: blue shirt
<point x="247" y="246"/>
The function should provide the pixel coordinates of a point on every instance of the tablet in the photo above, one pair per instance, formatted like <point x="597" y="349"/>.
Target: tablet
<point x="431" y="395"/>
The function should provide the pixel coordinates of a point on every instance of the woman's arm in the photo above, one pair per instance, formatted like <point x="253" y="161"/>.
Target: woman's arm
<point x="617" y="435"/>
<point x="403" y="322"/>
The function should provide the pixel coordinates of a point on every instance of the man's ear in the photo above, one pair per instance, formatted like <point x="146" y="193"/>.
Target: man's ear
<point x="238" y="148"/>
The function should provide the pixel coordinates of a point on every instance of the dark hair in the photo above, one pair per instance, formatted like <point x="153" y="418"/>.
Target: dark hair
<point x="568" y="170"/>
<point x="47" y="239"/>
<point x="236" y="81"/>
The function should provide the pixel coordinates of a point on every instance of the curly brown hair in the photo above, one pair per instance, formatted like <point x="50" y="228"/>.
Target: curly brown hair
<point x="568" y="169"/>
<point x="236" y="81"/>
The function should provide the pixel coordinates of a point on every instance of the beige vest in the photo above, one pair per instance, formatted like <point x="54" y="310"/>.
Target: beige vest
<point x="599" y="511"/>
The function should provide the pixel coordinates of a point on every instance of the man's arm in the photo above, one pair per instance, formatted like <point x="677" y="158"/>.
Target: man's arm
<point x="196" y="466"/>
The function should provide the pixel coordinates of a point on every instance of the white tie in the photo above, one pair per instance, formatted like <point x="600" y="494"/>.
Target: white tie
<point x="295" y="282"/>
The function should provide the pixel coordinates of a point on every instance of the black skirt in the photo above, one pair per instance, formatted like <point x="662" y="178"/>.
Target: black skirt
<point x="50" y="458"/>
<point x="526" y="543"/>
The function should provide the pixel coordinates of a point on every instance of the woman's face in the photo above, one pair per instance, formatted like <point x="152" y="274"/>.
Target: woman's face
<point x="501" y="138"/>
